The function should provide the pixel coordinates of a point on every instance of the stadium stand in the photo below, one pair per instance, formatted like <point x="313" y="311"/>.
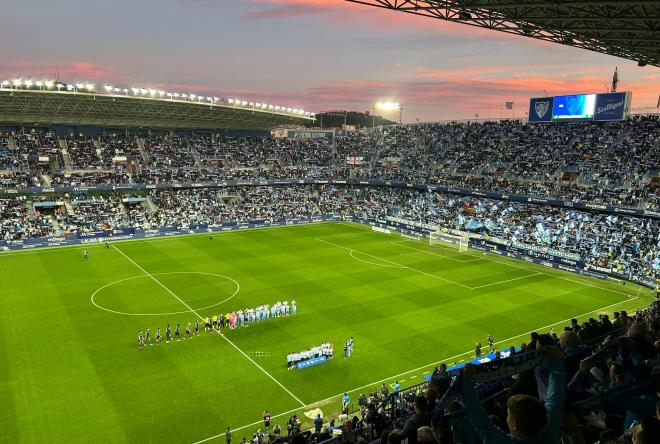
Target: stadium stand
<point x="609" y="365"/>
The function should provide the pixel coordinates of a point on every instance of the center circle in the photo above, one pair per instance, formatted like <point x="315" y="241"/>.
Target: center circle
<point x="152" y="276"/>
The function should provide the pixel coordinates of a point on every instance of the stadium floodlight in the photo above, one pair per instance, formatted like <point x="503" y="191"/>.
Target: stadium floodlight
<point x="192" y="96"/>
<point x="80" y="85"/>
<point x="18" y="82"/>
<point x="49" y="83"/>
<point x="215" y="99"/>
<point x="152" y="92"/>
<point x="175" y="95"/>
<point x="39" y="83"/>
<point x="161" y="93"/>
<point x="70" y="87"/>
<point x="388" y="106"/>
<point x="59" y="86"/>
<point x="108" y="88"/>
<point x="89" y="87"/>
<point x="184" y="96"/>
<point x="230" y="101"/>
<point x="136" y="91"/>
<point x="118" y="90"/>
<point x="244" y="103"/>
<point x="5" y="83"/>
<point x="143" y="91"/>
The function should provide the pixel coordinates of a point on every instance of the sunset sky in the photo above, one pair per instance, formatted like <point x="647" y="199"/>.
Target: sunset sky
<point x="314" y="54"/>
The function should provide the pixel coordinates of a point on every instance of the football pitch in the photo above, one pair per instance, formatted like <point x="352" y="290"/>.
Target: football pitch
<point x="70" y="369"/>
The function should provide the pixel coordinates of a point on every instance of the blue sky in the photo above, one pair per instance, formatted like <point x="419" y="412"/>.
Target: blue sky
<point x="314" y="54"/>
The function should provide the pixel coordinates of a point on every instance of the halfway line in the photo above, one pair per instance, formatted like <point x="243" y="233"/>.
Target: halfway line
<point x="192" y="310"/>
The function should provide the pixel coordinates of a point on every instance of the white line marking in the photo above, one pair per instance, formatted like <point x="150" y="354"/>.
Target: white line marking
<point x="396" y="264"/>
<point x="153" y="239"/>
<point x="371" y="263"/>
<point x="400" y="243"/>
<point x="588" y="284"/>
<point x="345" y="235"/>
<point x="507" y="280"/>
<point x="238" y="288"/>
<point x="192" y="310"/>
<point x="414" y="370"/>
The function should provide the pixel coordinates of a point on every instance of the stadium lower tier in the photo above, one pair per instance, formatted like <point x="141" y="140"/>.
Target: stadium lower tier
<point x="629" y="246"/>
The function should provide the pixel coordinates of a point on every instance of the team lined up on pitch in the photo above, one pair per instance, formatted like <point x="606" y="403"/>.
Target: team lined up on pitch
<point x="231" y="320"/>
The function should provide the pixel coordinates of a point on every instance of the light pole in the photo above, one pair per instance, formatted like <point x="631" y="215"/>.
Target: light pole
<point x="389" y="106"/>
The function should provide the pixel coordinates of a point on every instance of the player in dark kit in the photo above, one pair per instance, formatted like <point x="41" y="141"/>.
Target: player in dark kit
<point x="168" y="333"/>
<point x="491" y="344"/>
<point x="177" y="332"/>
<point x="85" y="254"/>
<point x="196" y="327"/>
<point x="266" y="419"/>
<point x="158" y="335"/>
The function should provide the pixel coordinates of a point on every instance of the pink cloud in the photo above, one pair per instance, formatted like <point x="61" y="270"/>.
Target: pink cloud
<point x="347" y="15"/>
<point x="69" y="71"/>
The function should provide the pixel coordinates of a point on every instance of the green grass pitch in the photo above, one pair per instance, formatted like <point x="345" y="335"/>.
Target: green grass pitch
<point x="70" y="370"/>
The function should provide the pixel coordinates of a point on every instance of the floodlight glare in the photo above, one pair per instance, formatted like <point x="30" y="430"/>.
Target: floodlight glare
<point x="39" y="83"/>
<point x="18" y="82"/>
<point x="49" y="83"/>
<point x="108" y="88"/>
<point x="388" y="106"/>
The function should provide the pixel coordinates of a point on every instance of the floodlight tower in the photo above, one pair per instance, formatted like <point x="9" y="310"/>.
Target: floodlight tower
<point x="388" y="106"/>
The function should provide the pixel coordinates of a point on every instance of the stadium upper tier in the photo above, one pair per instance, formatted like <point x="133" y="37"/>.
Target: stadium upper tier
<point x="142" y="108"/>
<point x="613" y="163"/>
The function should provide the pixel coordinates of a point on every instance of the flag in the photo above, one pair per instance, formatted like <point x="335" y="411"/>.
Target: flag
<point x="658" y="105"/>
<point x="509" y="105"/>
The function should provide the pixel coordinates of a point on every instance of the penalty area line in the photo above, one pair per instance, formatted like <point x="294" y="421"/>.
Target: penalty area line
<point x="192" y="310"/>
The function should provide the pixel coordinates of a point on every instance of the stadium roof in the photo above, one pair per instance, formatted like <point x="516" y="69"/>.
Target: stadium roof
<point x="76" y="108"/>
<point x="623" y="28"/>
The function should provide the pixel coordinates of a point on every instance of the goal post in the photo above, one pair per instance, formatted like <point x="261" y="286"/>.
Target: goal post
<point x="450" y="240"/>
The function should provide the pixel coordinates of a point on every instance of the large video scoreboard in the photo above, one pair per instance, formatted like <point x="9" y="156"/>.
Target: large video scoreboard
<point x="602" y="107"/>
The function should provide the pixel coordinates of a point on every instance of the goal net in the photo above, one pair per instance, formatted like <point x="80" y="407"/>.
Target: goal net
<point x="451" y="240"/>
